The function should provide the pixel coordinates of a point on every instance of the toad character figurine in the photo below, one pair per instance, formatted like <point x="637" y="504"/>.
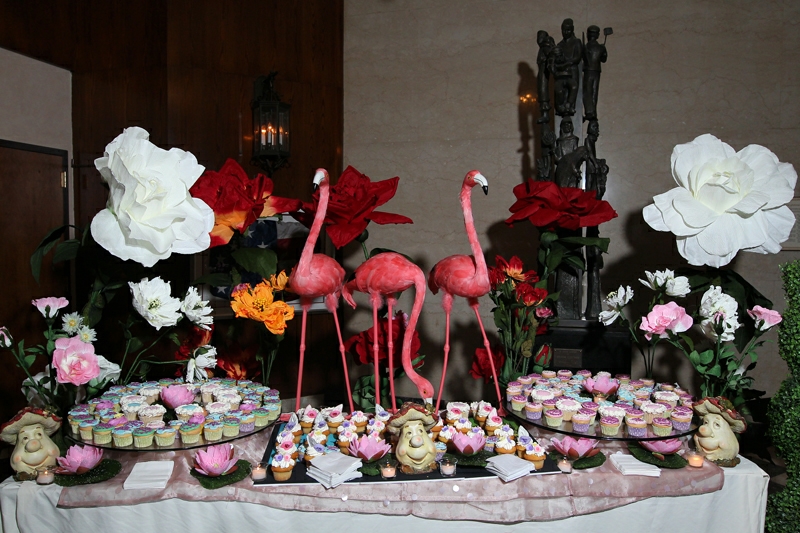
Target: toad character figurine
<point x="716" y="436"/>
<point x="415" y="450"/>
<point x="30" y="431"/>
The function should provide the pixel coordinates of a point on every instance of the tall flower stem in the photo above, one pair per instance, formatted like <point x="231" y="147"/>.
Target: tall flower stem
<point x="137" y="361"/>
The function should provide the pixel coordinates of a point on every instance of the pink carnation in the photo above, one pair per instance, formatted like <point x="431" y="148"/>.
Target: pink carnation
<point x="49" y="306"/>
<point x="75" y="361"/>
<point x="764" y="318"/>
<point x="669" y="317"/>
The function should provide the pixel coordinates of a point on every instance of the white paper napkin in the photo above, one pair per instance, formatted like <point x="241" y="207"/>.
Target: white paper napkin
<point x="628" y="465"/>
<point x="149" y="475"/>
<point x="509" y="467"/>
<point x="337" y="463"/>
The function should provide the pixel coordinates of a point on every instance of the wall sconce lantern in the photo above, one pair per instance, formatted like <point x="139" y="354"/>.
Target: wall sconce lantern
<point x="270" y="125"/>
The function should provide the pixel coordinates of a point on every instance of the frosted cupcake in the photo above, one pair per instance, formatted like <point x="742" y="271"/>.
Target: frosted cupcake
<point x="666" y="396"/>
<point x="282" y="466"/>
<point x="165" y="436"/>
<point x="231" y="426"/>
<point x="151" y="394"/>
<point x="102" y="433"/>
<point x="334" y="418"/>
<point x="541" y="395"/>
<point x="261" y="417"/>
<point x="482" y="412"/>
<point x="518" y="402"/>
<point x="248" y="423"/>
<point x="307" y="418"/>
<point x="569" y="407"/>
<point x="549" y="374"/>
<point x="447" y="433"/>
<point x="344" y="438"/>
<point x="662" y="427"/>
<point x="609" y="425"/>
<point x="681" y="418"/>
<point x="533" y="411"/>
<point x="492" y="422"/>
<point x="462" y="425"/>
<point x="185" y="412"/>
<point x="86" y="429"/>
<point x="122" y="437"/>
<point x="553" y="417"/>
<point x="612" y="410"/>
<point x="552" y="403"/>
<point x="581" y="422"/>
<point x="505" y="445"/>
<point x="212" y="431"/>
<point x="312" y="452"/>
<point x="637" y="427"/>
<point x="131" y="410"/>
<point x="143" y="437"/>
<point x="152" y="413"/>
<point x="564" y="375"/>
<point x="190" y="433"/>
<point x="535" y="454"/>
<point x="360" y="420"/>
<point x="653" y="410"/>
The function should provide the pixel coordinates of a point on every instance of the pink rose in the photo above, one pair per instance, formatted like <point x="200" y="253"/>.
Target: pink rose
<point x="75" y="361"/>
<point x="49" y="306"/>
<point x="765" y="318"/>
<point x="663" y="318"/>
<point x="544" y="312"/>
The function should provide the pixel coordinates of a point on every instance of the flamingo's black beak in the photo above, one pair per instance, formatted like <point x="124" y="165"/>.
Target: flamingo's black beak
<point x="314" y="188"/>
<point x="485" y="189"/>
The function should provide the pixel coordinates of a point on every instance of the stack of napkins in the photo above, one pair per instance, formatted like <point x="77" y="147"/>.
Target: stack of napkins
<point x="333" y="469"/>
<point x="631" y="466"/>
<point x="149" y="475"/>
<point x="509" y="467"/>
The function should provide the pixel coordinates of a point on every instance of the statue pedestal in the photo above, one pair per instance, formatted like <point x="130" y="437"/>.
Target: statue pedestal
<point x="583" y="344"/>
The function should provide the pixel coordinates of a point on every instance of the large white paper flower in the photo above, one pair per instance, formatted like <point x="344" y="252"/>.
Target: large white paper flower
<point x="726" y="201"/>
<point x="150" y="213"/>
<point x="153" y="300"/>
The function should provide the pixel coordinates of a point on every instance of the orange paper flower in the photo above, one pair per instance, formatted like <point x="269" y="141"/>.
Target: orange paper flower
<point x="258" y="303"/>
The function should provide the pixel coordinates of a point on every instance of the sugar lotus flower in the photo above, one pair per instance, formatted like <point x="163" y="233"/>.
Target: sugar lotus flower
<point x="79" y="459"/>
<point x="576" y="449"/>
<point x="603" y="385"/>
<point x="369" y="448"/>
<point x="176" y="395"/>
<point x="468" y="443"/>
<point x="662" y="447"/>
<point x="215" y="460"/>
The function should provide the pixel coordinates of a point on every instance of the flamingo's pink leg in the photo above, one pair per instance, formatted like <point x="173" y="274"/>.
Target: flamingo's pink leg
<point x="446" y="352"/>
<point x="500" y="409"/>
<point x="390" y="347"/>
<point x="344" y="361"/>
<point x="375" y="325"/>
<point x="302" y="355"/>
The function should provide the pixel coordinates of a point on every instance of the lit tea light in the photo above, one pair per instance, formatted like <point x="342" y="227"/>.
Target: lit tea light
<point x="447" y="467"/>
<point x="388" y="469"/>
<point x="694" y="459"/>
<point x="565" y="465"/>
<point x="259" y="472"/>
<point x="46" y="475"/>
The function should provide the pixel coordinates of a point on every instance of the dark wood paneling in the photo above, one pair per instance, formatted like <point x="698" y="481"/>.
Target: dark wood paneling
<point x="184" y="71"/>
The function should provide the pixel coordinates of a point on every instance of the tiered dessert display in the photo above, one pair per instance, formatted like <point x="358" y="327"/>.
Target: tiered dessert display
<point x="170" y="414"/>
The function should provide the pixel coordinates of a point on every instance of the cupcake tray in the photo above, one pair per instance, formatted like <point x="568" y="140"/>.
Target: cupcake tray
<point x="177" y="445"/>
<point x="462" y="472"/>
<point x="595" y="432"/>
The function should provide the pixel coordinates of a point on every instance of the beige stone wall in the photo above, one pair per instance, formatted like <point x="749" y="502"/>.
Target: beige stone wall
<point x="431" y="91"/>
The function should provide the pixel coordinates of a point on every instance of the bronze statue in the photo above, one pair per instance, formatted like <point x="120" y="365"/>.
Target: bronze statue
<point x="567" y="141"/>
<point x="567" y="57"/>
<point x="545" y="163"/>
<point x="594" y="54"/>
<point x="546" y="46"/>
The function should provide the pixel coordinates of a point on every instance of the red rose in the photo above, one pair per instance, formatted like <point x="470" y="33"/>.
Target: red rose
<point x="481" y="367"/>
<point x="530" y="295"/>
<point x="549" y="206"/>
<point x="351" y="206"/>
<point x="237" y="200"/>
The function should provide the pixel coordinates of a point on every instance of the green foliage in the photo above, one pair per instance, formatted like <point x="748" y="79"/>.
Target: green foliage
<point x="783" y="508"/>
<point x="211" y="483"/>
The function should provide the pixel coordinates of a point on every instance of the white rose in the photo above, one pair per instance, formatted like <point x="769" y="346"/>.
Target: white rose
<point x="153" y="300"/>
<point x="726" y="201"/>
<point x="614" y="303"/>
<point x="150" y="213"/>
<point x="678" y="287"/>
<point x="715" y="304"/>
<point x="197" y="310"/>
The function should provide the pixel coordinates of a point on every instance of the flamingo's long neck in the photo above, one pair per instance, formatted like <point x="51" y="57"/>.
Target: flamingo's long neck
<point x="481" y="270"/>
<point x="408" y="366"/>
<point x="304" y="265"/>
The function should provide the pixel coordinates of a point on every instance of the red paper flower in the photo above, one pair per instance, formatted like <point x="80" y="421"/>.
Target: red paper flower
<point x="513" y="269"/>
<point x="549" y="206"/>
<point x="237" y="200"/>
<point x="481" y="367"/>
<point x="238" y="362"/>
<point x="360" y="345"/>
<point x="530" y="295"/>
<point x="352" y="206"/>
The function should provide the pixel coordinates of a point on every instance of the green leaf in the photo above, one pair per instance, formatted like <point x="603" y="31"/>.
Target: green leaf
<point x="135" y="345"/>
<point x="66" y="251"/>
<point x="599" y="242"/>
<point x="547" y="238"/>
<point x="706" y="357"/>
<point x="554" y="258"/>
<point x="715" y="371"/>
<point x="28" y="360"/>
<point x="47" y="244"/>
<point x="259" y="261"/>
<point x="575" y="261"/>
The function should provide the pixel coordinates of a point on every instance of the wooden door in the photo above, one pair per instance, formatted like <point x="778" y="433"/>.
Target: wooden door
<point x="32" y="202"/>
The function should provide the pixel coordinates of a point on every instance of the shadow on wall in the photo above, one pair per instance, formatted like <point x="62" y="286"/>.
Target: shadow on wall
<point x="527" y="111"/>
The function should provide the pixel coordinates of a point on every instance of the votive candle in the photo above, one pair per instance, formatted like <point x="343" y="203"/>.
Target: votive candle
<point x="45" y="476"/>
<point x="695" y="459"/>
<point x="565" y="466"/>
<point x="447" y="467"/>
<point x="259" y="472"/>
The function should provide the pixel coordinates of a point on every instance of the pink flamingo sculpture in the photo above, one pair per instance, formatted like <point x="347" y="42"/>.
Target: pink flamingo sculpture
<point x="318" y="275"/>
<point x="466" y="276"/>
<point x="382" y="276"/>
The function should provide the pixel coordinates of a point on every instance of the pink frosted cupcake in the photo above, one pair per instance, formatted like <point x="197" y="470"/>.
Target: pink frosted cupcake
<point x="581" y="422"/>
<point x="564" y="375"/>
<point x="610" y="425"/>
<point x="518" y="402"/>
<point x="568" y="406"/>
<point x="662" y="427"/>
<point x="653" y="410"/>
<point x="592" y="414"/>
<point x="637" y="427"/>
<point x="553" y="417"/>
<point x="550" y="404"/>
<point x="533" y="410"/>
<point x="681" y="418"/>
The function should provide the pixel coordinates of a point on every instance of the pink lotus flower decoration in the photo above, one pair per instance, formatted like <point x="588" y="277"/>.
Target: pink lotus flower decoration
<point x="469" y="443"/>
<point x="369" y="448"/>
<point x="79" y="459"/>
<point x="176" y="395"/>
<point x="602" y="385"/>
<point x="576" y="449"/>
<point x="215" y="460"/>
<point x="660" y="448"/>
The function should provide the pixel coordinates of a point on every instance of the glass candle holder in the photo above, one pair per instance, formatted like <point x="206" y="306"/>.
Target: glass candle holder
<point x="258" y="471"/>
<point x="695" y="459"/>
<point x="388" y="468"/>
<point x="565" y="465"/>
<point x="45" y="475"/>
<point x="447" y="467"/>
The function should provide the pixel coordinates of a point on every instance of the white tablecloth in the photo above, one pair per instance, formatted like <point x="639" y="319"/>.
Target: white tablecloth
<point x="739" y="507"/>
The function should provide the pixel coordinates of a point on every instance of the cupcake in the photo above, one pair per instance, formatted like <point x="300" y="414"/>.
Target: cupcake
<point x="217" y="407"/>
<point x="122" y="437"/>
<point x="612" y="410"/>
<point x="662" y="427"/>
<point x="152" y="413"/>
<point x="609" y="425"/>
<point x="86" y="429"/>
<point x="248" y="423"/>
<point x="581" y="422"/>
<point x="552" y="403"/>
<point x="518" y="402"/>
<point x="288" y="448"/>
<point x="462" y="425"/>
<point x="190" y="433"/>
<point x="637" y="427"/>
<point x="360" y="420"/>
<point x="505" y="445"/>
<point x="312" y="452"/>
<point x="568" y="406"/>
<point x="564" y="375"/>
<point x="344" y="439"/>
<point x="535" y="454"/>
<point x="212" y="431"/>
<point x="185" y="412"/>
<point x="281" y="466"/>
<point x="540" y="395"/>
<point x="681" y="418"/>
<point x="231" y="426"/>
<point x="307" y="419"/>
<point x="533" y="411"/>
<point x="165" y="436"/>
<point x="437" y="427"/>
<point x="207" y="391"/>
<point x="447" y="433"/>
<point x="653" y="410"/>
<point x="549" y="374"/>
<point x="482" y="412"/>
<point x="102" y="433"/>
<point x="667" y="396"/>
<point x="261" y="417"/>
<point x="493" y="422"/>
<point x="75" y="421"/>
<point x="334" y="418"/>
<point x="490" y="443"/>
<point x="553" y="418"/>
<point x="143" y="437"/>
<point x="151" y="394"/>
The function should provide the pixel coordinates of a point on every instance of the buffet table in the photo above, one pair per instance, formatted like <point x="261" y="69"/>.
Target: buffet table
<point x="600" y="499"/>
